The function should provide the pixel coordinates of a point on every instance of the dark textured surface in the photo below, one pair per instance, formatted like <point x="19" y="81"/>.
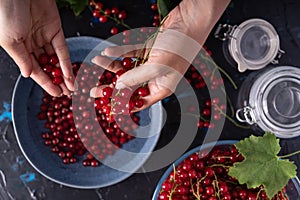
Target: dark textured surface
<point x="18" y="180"/>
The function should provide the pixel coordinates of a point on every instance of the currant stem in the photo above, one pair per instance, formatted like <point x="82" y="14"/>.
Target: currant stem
<point x="197" y="116"/>
<point x="229" y="102"/>
<point x="230" y="119"/>
<point x="221" y="70"/>
<point x="289" y="155"/>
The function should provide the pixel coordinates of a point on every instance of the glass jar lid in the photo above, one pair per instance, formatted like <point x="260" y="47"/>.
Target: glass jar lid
<point x="275" y="99"/>
<point x="254" y="44"/>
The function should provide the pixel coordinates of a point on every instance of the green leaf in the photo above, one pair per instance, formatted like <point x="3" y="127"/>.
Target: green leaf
<point x="261" y="165"/>
<point x="77" y="6"/>
<point x="165" y="6"/>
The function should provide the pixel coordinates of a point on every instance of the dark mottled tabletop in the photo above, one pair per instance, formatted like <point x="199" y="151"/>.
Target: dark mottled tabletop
<point x="19" y="180"/>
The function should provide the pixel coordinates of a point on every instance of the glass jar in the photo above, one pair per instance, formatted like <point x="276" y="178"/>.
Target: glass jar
<point x="251" y="45"/>
<point x="269" y="100"/>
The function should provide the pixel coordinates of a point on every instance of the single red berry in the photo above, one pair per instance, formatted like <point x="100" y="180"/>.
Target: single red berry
<point x="107" y="92"/>
<point x="57" y="80"/>
<point x="155" y="23"/>
<point x="114" y="10"/>
<point x="56" y="72"/>
<point x="209" y="190"/>
<point x="126" y="33"/>
<point x="107" y="11"/>
<point x="47" y="68"/>
<point x="99" y="6"/>
<point x="127" y="63"/>
<point x="102" y="19"/>
<point x="96" y="13"/>
<point x="126" y="40"/>
<point x="143" y="91"/>
<point x="154" y="6"/>
<point x="156" y="17"/>
<point x="139" y="103"/>
<point x="53" y="59"/>
<point x="43" y="59"/>
<point x="114" y="30"/>
<point x="122" y="15"/>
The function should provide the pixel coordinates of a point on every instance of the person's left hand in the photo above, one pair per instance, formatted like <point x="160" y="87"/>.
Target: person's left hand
<point x="30" y="28"/>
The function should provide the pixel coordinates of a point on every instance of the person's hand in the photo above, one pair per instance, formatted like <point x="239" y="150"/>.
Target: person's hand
<point x="182" y="34"/>
<point x="30" y="28"/>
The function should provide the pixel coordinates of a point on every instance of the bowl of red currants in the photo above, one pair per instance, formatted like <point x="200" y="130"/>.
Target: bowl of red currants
<point x="80" y="141"/>
<point x="202" y="173"/>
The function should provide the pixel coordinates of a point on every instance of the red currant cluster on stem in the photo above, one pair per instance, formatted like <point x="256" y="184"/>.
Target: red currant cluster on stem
<point x="202" y="76"/>
<point x="103" y="15"/>
<point x="50" y="66"/>
<point x="205" y="176"/>
<point x="125" y="100"/>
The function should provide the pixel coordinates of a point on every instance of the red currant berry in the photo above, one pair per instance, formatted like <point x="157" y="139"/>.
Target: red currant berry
<point x="139" y="103"/>
<point x="96" y="13"/>
<point x="114" y="30"/>
<point x="57" y="80"/>
<point x="107" y="92"/>
<point x="107" y="11"/>
<point x="143" y="91"/>
<point x="47" y="68"/>
<point x="43" y="59"/>
<point x="114" y="10"/>
<point x="99" y="6"/>
<point x="127" y="63"/>
<point x="154" y="6"/>
<point x="102" y="19"/>
<point x="122" y="15"/>
<point x="54" y="59"/>
<point x="56" y="72"/>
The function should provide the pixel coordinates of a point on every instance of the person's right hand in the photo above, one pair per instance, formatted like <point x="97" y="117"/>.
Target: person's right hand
<point x="177" y="43"/>
<point x="30" y="28"/>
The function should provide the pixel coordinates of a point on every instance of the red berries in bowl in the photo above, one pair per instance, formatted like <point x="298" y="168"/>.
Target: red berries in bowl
<point x="204" y="175"/>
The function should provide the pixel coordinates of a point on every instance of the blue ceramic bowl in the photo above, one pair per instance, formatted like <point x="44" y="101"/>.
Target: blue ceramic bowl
<point x="293" y="186"/>
<point x="26" y="101"/>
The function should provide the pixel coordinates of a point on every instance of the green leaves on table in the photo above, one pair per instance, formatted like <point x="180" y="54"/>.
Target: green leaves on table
<point x="165" y="6"/>
<point x="261" y="165"/>
<point x="77" y="6"/>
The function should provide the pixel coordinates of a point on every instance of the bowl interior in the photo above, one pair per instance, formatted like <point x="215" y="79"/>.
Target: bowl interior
<point x="26" y="101"/>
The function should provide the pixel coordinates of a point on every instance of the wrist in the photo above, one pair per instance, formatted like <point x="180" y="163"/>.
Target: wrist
<point x="196" y="18"/>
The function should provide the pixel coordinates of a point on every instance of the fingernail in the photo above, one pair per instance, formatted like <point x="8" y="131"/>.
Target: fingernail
<point x="102" y="53"/>
<point x="121" y="85"/>
<point x="93" y="60"/>
<point x="60" y="95"/>
<point x="93" y="92"/>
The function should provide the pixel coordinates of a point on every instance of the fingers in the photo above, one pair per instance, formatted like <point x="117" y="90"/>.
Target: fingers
<point x="21" y="56"/>
<point x="134" y="51"/>
<point x="108" y="64"/>
<point x="62" y="52"/>
<point x="142" y="74"/>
